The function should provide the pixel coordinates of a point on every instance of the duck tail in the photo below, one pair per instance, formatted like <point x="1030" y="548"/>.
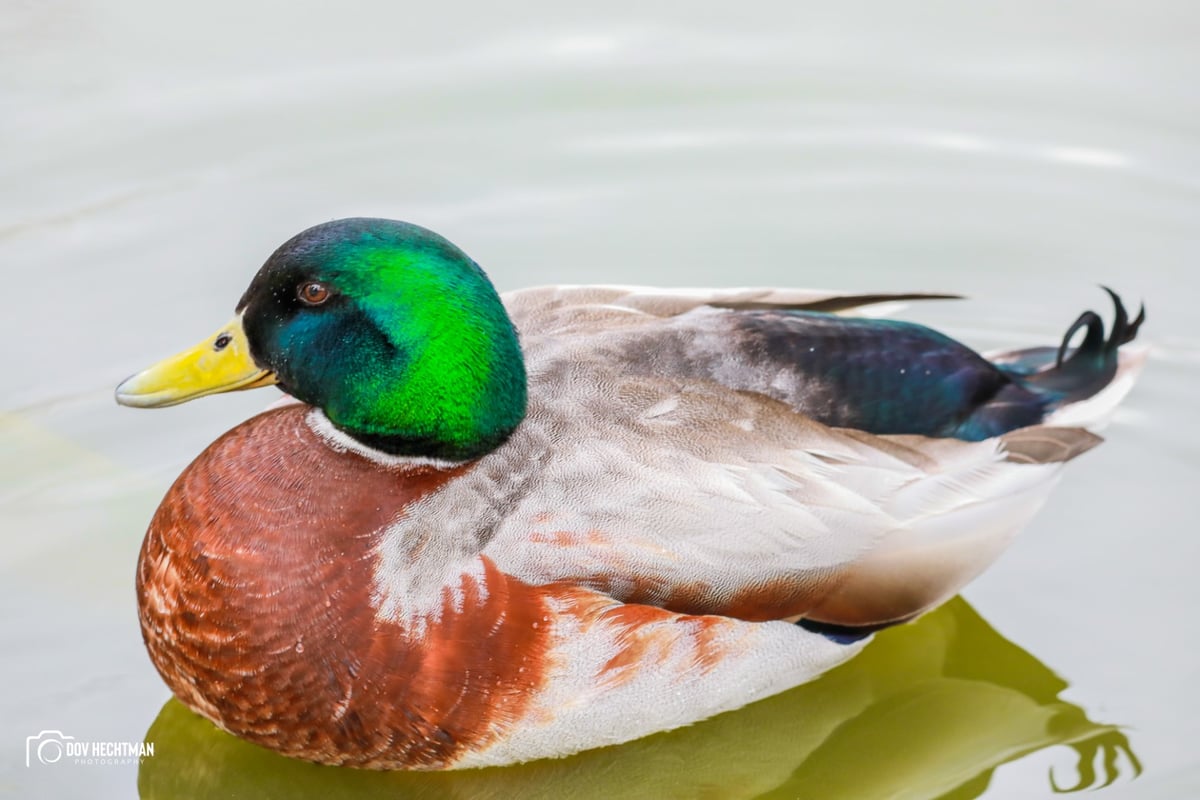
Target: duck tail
<point x="1093" y="364"/>
<point x="1082" y="385"/>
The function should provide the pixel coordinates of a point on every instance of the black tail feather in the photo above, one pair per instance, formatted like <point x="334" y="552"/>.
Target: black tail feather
<point x="1123" y="331"/>
<point x="1088" y="368"/>
<point x="1093" y="340"/>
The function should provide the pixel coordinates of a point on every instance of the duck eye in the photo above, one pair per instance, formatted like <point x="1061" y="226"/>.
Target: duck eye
<point x="312" y="293"/>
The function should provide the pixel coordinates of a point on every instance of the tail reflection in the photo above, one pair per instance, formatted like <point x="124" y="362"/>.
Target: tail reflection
<point x="933" y="707"/>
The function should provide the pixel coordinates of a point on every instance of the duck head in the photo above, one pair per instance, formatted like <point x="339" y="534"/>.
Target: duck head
<point x="388" y="328"/>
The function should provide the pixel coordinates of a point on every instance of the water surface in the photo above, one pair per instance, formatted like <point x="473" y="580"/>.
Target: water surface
<point x="156" y="154"/>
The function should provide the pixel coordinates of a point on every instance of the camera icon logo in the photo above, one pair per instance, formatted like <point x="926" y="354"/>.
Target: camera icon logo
<point x="48" y="747"/>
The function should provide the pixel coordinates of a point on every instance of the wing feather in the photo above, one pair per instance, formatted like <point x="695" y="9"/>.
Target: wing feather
<point x="778" y="518"/>
<point x="560" y="308"/>
<point x="690" y="492"/>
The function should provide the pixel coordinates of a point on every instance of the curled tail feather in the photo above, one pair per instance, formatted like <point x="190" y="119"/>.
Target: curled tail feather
<point x="1093" y="364"/>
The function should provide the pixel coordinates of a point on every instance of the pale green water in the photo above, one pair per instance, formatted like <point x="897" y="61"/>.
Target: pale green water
<point x="154" y="156"/>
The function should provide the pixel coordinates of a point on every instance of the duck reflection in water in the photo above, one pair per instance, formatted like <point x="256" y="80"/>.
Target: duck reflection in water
<point x="930" y="710"/>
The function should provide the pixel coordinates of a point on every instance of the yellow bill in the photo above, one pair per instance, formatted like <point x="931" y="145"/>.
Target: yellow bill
<point x="220" y="363"/>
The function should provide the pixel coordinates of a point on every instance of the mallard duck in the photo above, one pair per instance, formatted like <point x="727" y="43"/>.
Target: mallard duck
<point x="495" y="529"/>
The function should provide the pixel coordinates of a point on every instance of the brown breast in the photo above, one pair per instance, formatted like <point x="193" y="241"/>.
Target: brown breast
<point x="255" y="594"/>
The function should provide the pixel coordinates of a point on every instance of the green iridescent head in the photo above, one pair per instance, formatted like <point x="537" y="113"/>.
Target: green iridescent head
<point x="395" y="333"/>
